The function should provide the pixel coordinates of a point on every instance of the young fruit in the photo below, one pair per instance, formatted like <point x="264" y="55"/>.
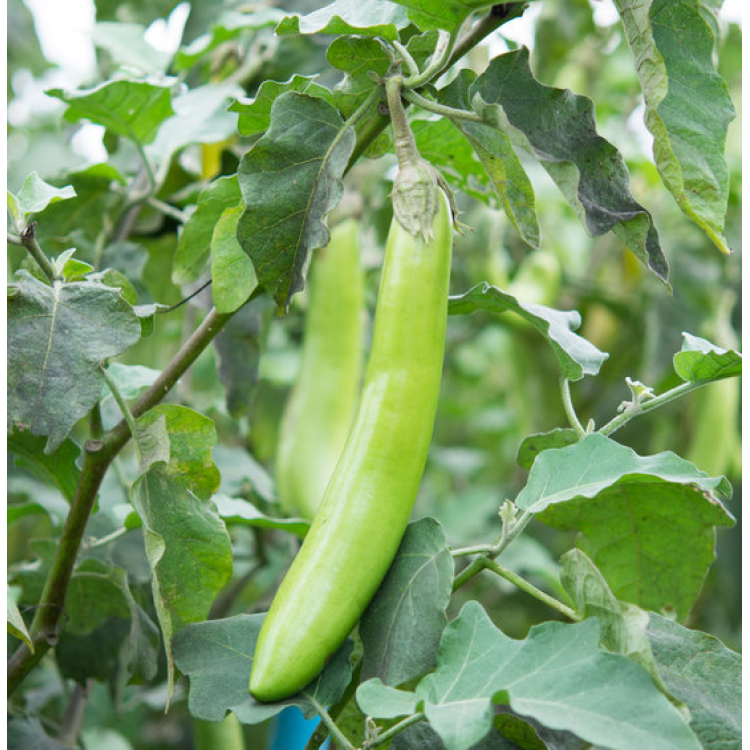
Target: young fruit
<point x="320" y="409"/>
<point x="365" y="509"/>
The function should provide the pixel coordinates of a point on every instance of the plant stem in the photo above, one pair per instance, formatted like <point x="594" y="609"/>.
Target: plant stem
<point x="149" y="169"/>
<point x="27" y="239"/>
<point x="569" y="409"/>
<point x="440" y="109"/>
<point x="341" y="740"/>
<point x="438" y="60"/>
<point x="74" y="713"/>
<point x="403" y="138"/>
<point x="396" y="729"/>
<point x="654" y="403"/>
<point x="407" y="58"/>
<point x="97" y="456"/>
<point x="167" y="210"/>
<point x="529" y="588"/>
<point x="124" y="408"/>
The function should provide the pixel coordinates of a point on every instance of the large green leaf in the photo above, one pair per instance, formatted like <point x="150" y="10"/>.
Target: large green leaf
<point x="363" y="17"/>
<point x="58" y="336"/>
<point x="131" y="109"/>
<point x="634" y="515"/>
<point x="688" y="108"/>
<point x="357" y="57"/>
<point x="194" y="246"/>
<point x="290" y="180"/>
<point x="557" y="675"/>
<point x="444" y="14"/>
<point x="255" y="113"/>
<point x="217" y="657"/>
<point x="57" y="467"/>
<point x="402" y="625"/>
<point x="701" y="671"/>
<point x="187" y="544"/>
<point x="576" y="356"/>
<point x="560" y="128"/>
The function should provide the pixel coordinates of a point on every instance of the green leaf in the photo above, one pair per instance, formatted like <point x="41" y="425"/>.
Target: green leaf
<point x="187" y="544"/>
<point x="402" y="625"/>
<point x="200" y="116"/>
<point x="232" y="272"/>
<point x="363" y="17"/>
<point x="560" y="128"/>
<point x="27" y="733"/>
<point x="217" y="657"/>
<point x="688" y="108"/>
<point x="16" y="625"/>
<point x="701" y="671"/>
<point x="255" y="113"/>
<point x="443" y="14"/>
<point x="634" y="514"/>
<point x="127" y="47"/>
<point x="57" y="338"/>
<point x="239" y="511"/>
<point x="290" y="180"/>
<point x="384" y="701"/>
<point x="57" y="467"/>
<point x="230" y="25"/>
<point x="34" y="196"/>
<point x="130" y="109"/>
<point x="701" y="361"/>
<point x="623" y="626"/>
<point x="576" y="357"/>
<point x="557" y="676"/>
<point x="356" y="56"/>
<point x="194" y="246"/>
<point x="533" y="445"/>
<point x="191" y="439"/>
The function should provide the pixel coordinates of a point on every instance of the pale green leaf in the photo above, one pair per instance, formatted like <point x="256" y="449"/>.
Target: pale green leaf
<point x="34" y="196"/>
<point x="576" y="356"/>
<point x="688" y="109"/>
<point x="127" y="47"/>
<point x="701" y="361"/>
<point x="16" y="625"/>
<point x="363" y="17"/>
<point x="131" y="109"/>
<point x="232" y="272"/>
<point x="238" y="511"/>
<point x="58" y="337"/>
<point x="290" y="180"/>
<point x="194" y="246"/>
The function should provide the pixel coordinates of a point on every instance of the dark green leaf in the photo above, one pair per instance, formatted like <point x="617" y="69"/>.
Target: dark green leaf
<point x="634" y="515"/>
<point x="576" y="357"/>
<point x="232" y="272"/>
<point x="443" y="14"/>
<point x="217" y="657"/>
<point x="131" y="109"/>
<point x="402" y="625"/>
<point x="700" y="360"/>
<point x="688" y="108"/>
<point x="533" y="445"/>
<point x="27" y="733"/>
<point x="57" y="468"/>
<point x="701" y="671"/>
<point x="561" y="130"/>
<point x="194" y="246"/>
<point x="290" y="180"/>
<point x="57" y="338"/>
<point x="16" y="625"/>
<point x="255" y="113"/>
<point x="356" y="56"/>
<point x="363" y="17"/>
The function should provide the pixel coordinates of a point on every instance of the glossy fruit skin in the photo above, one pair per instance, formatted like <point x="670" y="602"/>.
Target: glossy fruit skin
<point x="360" y="523"/>
<point x="321" y="406"/>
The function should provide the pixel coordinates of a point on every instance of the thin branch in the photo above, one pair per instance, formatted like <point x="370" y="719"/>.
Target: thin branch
<point x="570" y="411"/>
<point x="529" y="588"/>
<point x="74" y="713"/>
<point x="124" y="408"/>
<point x="395" y="729"/>
<point x="27" y="239"/>
<point x="440" y="109"/>
<point x="341" y="741"/>
<point x="439" y="58"/>
<point x="167" y="210"/>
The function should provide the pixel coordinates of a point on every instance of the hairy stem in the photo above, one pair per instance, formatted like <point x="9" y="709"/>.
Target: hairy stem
<point x="570" y="411"/>
<point x="440" y="109"/>
<point x="27" y="240"/>
<point x="403" y="139"/>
